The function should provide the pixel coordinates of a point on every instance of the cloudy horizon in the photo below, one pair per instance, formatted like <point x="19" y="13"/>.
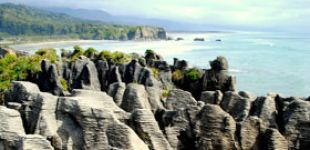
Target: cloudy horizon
<point x="285" y="15"/>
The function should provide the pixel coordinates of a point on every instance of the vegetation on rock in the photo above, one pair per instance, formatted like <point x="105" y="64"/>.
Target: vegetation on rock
<point x="193" y="74"/>
<point x="177" y="75"/>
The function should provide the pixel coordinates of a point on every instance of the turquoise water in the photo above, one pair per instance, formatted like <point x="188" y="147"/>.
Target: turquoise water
<point x="262" y="62"/>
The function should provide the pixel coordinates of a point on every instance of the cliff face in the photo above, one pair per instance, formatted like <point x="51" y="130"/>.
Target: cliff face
<point x="130" y="106"/>
<point x="147" y="33"/>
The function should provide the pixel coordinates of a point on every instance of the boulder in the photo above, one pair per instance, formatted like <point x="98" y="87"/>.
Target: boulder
<point x="215" y="129"/>
<point x="238" y="105"/>
<point x="179" y="99"/>
<point x="145" y="125"/>
<point x="135" y="97"/>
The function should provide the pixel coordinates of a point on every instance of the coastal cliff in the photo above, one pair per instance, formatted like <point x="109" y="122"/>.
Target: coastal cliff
<point x="91" y="100"/>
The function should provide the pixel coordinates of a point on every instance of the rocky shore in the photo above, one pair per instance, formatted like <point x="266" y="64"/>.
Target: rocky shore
<point x="90" y="103"/>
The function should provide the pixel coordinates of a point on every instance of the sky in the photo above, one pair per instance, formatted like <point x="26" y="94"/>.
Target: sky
<point x="277" y="14"/>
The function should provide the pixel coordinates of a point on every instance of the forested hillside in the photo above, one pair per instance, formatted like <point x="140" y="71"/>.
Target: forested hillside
<point x="21" y="21"/>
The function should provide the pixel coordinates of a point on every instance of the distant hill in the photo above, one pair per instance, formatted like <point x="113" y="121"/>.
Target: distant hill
<point x="21" y="21"/>
<point x="103" y="16"/>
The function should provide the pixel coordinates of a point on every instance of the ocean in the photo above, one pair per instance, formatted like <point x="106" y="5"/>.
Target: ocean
<point x="262" y="62"/>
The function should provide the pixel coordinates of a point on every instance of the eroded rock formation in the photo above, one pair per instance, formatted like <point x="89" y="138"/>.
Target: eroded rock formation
<point x="130" y="106"/>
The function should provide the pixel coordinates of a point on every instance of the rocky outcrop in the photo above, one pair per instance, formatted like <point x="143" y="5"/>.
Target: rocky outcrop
<point x="217" y="77"/>
<point x="137" y="105"/>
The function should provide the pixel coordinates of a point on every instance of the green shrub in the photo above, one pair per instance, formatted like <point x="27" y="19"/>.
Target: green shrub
<point x="120" y="57"/>
<point x="78" y="51"/>
<point x="177" y="75"/>
<point x="149" y="52"/>
<point x="105" y="55"/>
<point x="13" y="68"/>
<point x="64" y="84"/>
<point x="193" y="74"/>
<point x="90" y="52"/>
<point x="165" y="92"/>
<point x="48" y="53"/>
<point x="155" y="72"/>
<point x="117" y="57"/>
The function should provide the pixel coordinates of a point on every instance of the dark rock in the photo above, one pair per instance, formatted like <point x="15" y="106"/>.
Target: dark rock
<point x="49" y="79"/>
<point x="220" y="63"/>
<point x="179" y="39"/>
<point x="199" y="39"/>
<point x="218" y="80"/>
<point x="179" y="64"/>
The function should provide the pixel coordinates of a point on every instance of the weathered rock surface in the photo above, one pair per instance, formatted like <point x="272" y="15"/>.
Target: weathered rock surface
<point x="211" y="97"/>
<point x="178" y="99"/>
<point x="294" y="122"/>
<point x="135" y="97"/>
<point x="12" y="134"/>
<point x="138" y="114"/>
<point x="215" y="129"/>
<point x="85" y="75"/>
<point x="265" y="109"/>
<point x="116" y="90"/>
<point x="145" y="125"/>
<point x="237" y="105"/>
<point x="249" y="133"/>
